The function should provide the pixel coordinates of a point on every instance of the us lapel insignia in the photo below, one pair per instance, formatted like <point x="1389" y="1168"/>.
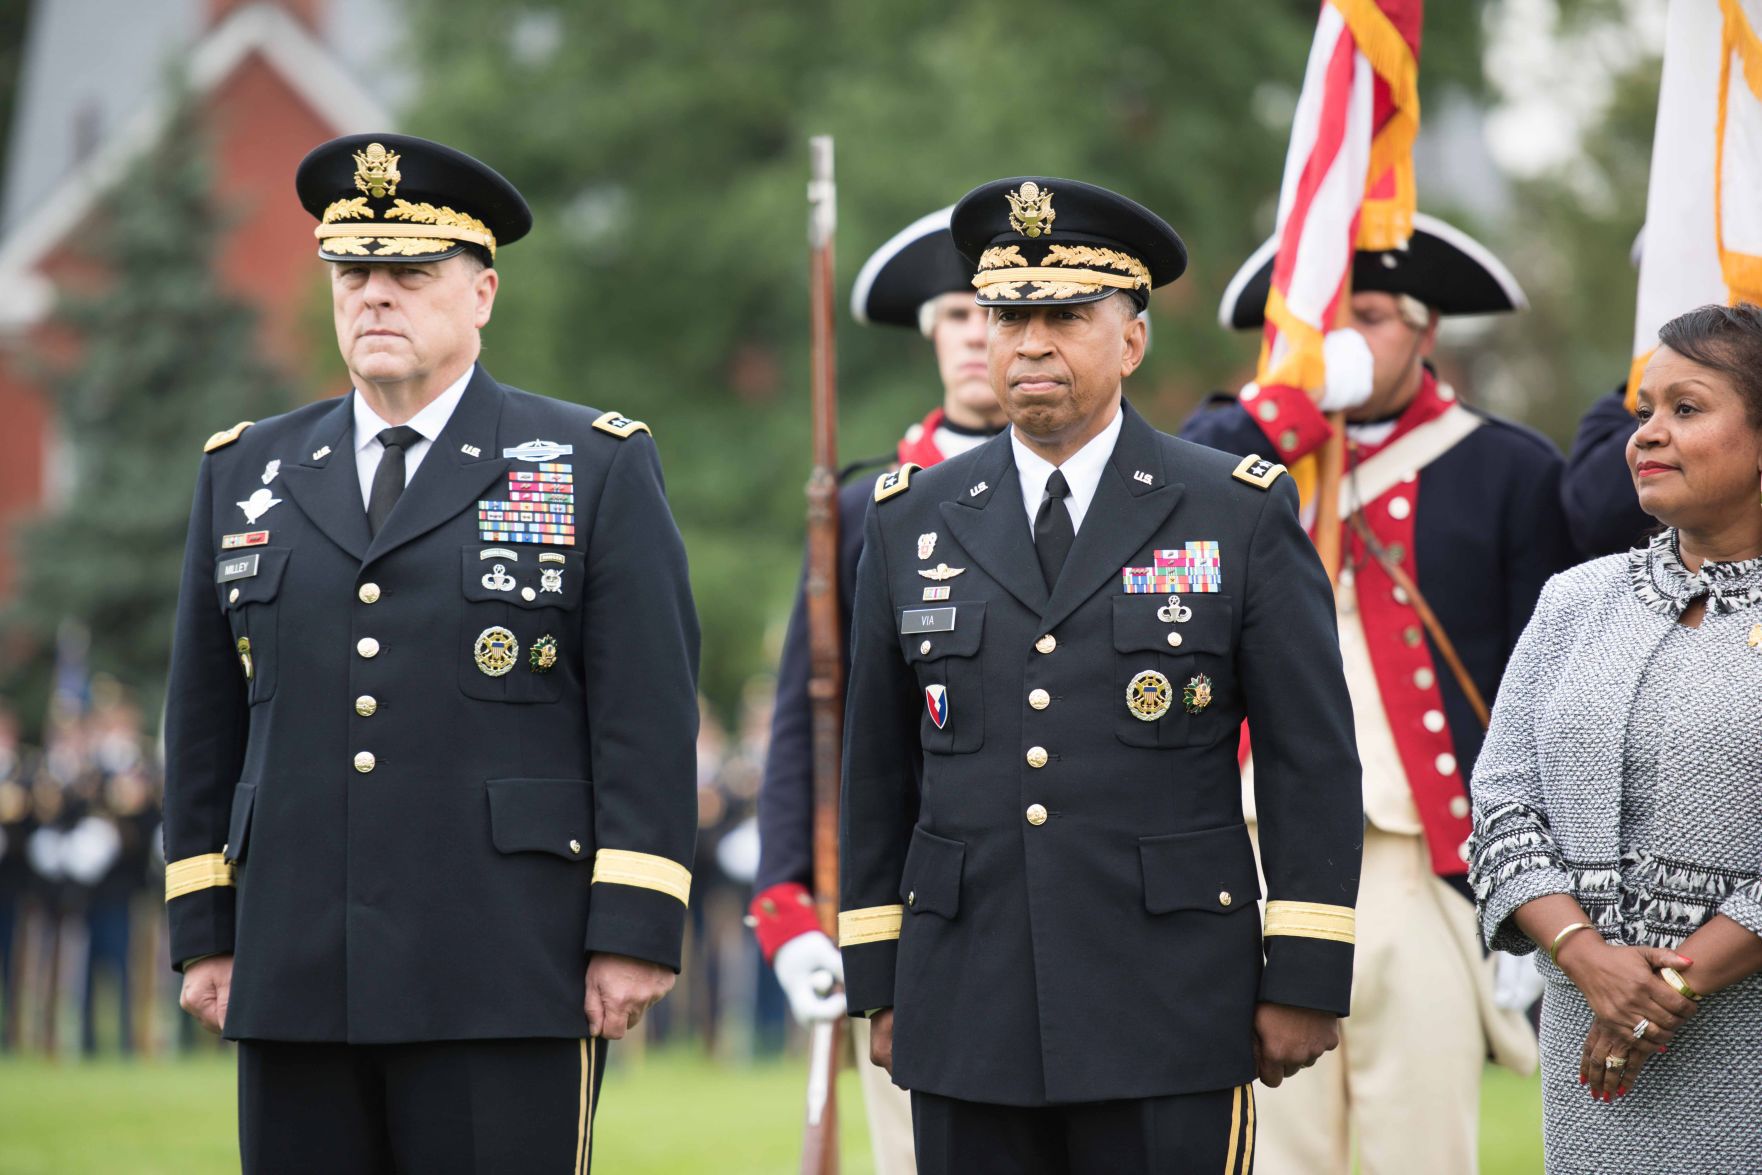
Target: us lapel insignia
<point x="978" y="489"/>
<point x="926" y="545"/>
<point x="936" y="702"/>
<point x="941" y="572"/>
<point x="321" y="454"/>
<point x="1140" y="475"/>
<point x="258" y="504"/>
<point x="471" y="451"/>
<point x="1148" y="696"/>
<point x="1196" y="694"/>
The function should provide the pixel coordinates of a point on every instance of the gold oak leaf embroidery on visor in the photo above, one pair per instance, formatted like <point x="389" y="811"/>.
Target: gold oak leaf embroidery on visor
<point x="354" y="208"/>
<point x="1311" y="920"/>
<point x="1002" y="256"/>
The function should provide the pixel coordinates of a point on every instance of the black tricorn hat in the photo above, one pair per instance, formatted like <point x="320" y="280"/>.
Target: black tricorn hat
<point x="917" y="263"/>
<point x="1442" y="266"/>
<point x="385" y="197"/>
<point x="1037" y="241"/>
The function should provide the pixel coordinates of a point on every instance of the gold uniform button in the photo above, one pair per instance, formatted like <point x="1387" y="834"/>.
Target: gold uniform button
<point x="575" y="847"/>
<point x="1459" y="806"/>
<point x="1037" y="756"/>
<point x="232" y="597"/>
<point x="1039" y="699"/>
<point x="364" y="762"/>
<point x="368" y="593"/>
<point x="528" y="595"/>
<point x="367" y="647"/>
<point x="924" y="648"/>
<point x="1224" y="898"/>
<point x="1046" y="643"/>
<point x="1174" y="640"/>
<point x="1036" y="814"/>
<point x="366" y="705"/>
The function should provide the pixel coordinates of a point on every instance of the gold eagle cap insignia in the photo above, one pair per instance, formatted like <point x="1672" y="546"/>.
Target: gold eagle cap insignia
<point x="1030" y="209"/>
<point x="376" y="171"/>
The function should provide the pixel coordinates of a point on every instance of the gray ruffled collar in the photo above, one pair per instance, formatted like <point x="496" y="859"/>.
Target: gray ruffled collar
<point x="1665" y="585"/>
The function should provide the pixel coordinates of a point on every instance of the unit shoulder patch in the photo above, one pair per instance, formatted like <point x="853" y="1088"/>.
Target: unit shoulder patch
<point x="226" y="436"/>
<point x="1257" y="471"/>
<point x="620" y="425"/>
<point x="897" y="481"/>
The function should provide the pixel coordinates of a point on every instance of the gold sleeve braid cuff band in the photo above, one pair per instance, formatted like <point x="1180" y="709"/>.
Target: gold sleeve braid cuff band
<point x="643" y="870"/>
<point x="196" y="873"/>
<point x="1311" y="920"/>
<point x="870" y="924"/>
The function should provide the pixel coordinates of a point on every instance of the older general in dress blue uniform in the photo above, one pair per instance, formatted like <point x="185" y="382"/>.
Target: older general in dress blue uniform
<point x="430" y="744"/>
<point x="1049" y="893"/>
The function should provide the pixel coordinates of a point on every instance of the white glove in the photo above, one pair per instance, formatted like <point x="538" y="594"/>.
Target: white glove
<point x="797" y="962"/>
<point x="1351" y="371"/>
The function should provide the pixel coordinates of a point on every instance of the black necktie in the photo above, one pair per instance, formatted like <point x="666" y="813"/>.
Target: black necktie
<point x="1053" y="532"/>
<point x="388" y="479"/>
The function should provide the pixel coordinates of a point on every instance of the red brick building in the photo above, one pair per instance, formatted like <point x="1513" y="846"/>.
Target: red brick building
<point x="271" y="79"/>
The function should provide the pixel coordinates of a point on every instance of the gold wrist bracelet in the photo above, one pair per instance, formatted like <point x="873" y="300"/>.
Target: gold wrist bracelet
<point x="1674" y="978"/>
<point x="1566" y="932"/>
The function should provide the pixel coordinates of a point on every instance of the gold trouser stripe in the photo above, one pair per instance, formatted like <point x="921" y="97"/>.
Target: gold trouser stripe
<point x="359" y="228"/>
<point x="1235" y="1130"/>
<point x="196" y="873"/>
<point x="1312" y="920"/>
<point x="584" y="1116"/>
<point x="870" y="924"/>
<point x="1248" y="1146"/>
<point x="643" y="870"/>
<point x="1053" y="273"/>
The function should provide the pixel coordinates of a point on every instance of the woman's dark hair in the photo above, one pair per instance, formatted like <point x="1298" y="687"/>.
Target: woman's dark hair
<point x="1726" y="339"/>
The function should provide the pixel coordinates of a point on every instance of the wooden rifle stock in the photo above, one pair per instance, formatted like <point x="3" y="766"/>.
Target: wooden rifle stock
<point x="825" y="640"/>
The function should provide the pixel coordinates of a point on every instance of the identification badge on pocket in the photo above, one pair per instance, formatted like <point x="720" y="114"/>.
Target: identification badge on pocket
<point x="926" y="620"/>
<point x="243" y="567"/>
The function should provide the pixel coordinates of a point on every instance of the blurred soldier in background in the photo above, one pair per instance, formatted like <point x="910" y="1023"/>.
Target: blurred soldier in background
<point x="15" y="830"/>
<point x="1597" y="489"/>
<point x="916" y="280"/>
<point x="1454" y="525"/>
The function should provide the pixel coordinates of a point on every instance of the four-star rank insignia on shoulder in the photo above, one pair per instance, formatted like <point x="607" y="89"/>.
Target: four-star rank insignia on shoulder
<point x="621" y="426"/>
<point x="1257" y="471"/>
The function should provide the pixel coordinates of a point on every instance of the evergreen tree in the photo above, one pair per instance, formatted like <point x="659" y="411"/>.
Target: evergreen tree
<point x="161" y="357"/>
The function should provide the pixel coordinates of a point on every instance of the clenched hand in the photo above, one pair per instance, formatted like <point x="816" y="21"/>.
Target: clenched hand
<point x="1287" y="1039"/>
<point x="619" y="990"/>
<point x="207" y="990"/>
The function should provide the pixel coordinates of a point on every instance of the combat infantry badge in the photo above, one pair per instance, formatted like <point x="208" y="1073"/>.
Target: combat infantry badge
<point x="1030" y="209"/>
<point x="1148" y="696"/>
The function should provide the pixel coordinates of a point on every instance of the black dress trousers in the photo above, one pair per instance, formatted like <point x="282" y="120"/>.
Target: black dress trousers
<point x="468" y="1107"/>
<point x="1210" y="1133"/>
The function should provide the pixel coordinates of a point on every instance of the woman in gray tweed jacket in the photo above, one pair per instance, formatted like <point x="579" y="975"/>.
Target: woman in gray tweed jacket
<point x="1618" y="800"/>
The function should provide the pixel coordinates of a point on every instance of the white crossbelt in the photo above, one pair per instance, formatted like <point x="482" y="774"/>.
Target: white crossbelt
<point x="1413" y="452"/>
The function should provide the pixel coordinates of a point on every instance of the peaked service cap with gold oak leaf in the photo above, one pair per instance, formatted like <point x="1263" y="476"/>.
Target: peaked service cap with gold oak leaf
<point x="384" y="197"/>
<point x="1038" y="241"/>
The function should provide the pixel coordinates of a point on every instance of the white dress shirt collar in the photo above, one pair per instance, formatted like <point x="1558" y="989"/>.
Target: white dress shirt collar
<point x="1082" y="470"/>
<point x="429" y="422"/>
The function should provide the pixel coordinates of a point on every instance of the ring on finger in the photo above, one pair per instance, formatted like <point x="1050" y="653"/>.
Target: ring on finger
<point x="1613" y="1061"/>
<point x="1640" y="1028"/>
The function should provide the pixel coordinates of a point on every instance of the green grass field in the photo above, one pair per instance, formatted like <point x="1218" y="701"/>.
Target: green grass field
<point x="669" y="1113"/>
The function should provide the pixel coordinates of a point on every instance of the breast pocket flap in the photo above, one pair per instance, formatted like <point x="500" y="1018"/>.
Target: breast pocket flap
<point x="255" y="576"/>
<point x="1144" y="624"/>
<point x="962" y="640"/>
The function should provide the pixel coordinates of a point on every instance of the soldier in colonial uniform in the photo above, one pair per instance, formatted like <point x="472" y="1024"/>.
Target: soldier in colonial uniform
<point x="430" y="743"/>
<point x="1452" y="524"/>
<point x="916" y="280"/>
<point x="1048" y="893"/>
